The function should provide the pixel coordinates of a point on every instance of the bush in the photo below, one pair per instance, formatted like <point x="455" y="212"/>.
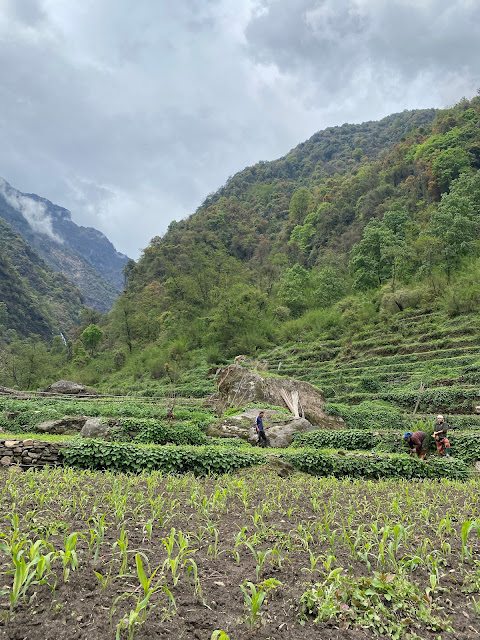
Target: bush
<point x="130" y="458"/>
<point x="464" y="446"/>
<point x="328" y="463"/>
<point x="152" y="431"/>
<point x="369" y="415"/>
<point x="369" y="383"/>
<point x="343" y="439"/>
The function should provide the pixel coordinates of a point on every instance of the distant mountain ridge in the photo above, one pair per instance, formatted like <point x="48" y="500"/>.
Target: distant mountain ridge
<point x="83" y="254"/>
<point x="33" y="298"/>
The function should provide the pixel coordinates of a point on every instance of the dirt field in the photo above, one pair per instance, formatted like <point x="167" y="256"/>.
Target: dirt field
<point x="386" y="558"/>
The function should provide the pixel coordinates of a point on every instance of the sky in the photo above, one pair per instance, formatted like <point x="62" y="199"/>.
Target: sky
<point x="130" y="113"/>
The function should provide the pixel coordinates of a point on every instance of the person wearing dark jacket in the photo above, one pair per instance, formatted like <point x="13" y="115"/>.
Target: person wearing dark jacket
<point x="440" y="434"/>
<point x="418" y="442"/>
<point x="262" y="438"/>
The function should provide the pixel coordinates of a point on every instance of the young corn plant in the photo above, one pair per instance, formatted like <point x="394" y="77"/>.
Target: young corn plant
<point x="259" y="557"/>
<point x="467" y="526"/>
<point x="96" y="532"/>
<point x="69" y="555"/>
<point x="253" y="602"/>
<point x="176" y="562"/>
<point x="26" y="574"/>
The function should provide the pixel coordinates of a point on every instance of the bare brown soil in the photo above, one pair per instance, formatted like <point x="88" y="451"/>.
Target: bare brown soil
<point x="291" y="517"/>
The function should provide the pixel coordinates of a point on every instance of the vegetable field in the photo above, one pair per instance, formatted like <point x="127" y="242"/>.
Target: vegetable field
<point x="243" y="555"/>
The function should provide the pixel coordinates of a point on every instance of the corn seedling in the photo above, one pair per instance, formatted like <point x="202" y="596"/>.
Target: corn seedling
<point x="69" y="556"/>
<point x="253" y="602"/>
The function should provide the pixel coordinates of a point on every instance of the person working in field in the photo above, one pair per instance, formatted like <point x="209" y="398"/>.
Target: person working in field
<point x="262" y="438"/>
<point x="440" y="434"/>
<point x="418" y="443"/>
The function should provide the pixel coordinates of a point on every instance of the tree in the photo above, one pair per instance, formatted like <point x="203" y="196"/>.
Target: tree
<point x="448" y="165"/>
<point x="3" y="313"/>
<point x="300" y="205"/>
<point x="293" y="290"/>
<point x="91" y="337"/>
<point x="456" y="221"/>
<point x="237" y="324"/>
<point x="371" y="261"/>
<point x="329" y="287"/>
<point x="127" y="271"/>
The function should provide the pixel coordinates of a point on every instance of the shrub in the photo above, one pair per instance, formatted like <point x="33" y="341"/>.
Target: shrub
<point x="342" y="439"/>
<point x="369" y="383"/>
<point x="152" y="431"/>
<point x="464" y="446"/>
<point x="328" y="463"/>
<point x="130" y="458"/>
<point x="368" y="415"/>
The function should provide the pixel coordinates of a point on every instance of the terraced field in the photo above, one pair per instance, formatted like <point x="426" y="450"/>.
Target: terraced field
<point x="392" y="362"/>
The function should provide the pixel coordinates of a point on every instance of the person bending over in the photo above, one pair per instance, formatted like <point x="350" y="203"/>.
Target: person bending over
<point x="418" y="443"/>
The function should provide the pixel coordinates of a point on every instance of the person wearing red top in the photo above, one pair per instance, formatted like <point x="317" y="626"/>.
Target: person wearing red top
<point x="418" y="442"/>
<point x="440" y="434"/>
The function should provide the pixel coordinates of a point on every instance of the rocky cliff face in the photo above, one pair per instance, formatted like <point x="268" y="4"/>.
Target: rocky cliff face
<point x="238" y="386"/>
<point x="83" y="254"/>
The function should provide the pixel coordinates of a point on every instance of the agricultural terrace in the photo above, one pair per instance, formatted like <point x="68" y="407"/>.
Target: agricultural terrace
<point x="163" y="532"/>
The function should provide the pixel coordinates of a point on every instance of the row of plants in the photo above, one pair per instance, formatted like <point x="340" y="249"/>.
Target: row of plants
<point x="375" y="466"/>
<point x="375" y="556"/>
<point x="451" y="399"/>
<point x="151" y="431"/>
<point x="133" y="458"/>
<point x="100" y="455"/>
<point x="464" y="446"/>
<point x="18" y="416"/>
<point x="368" y="415"/>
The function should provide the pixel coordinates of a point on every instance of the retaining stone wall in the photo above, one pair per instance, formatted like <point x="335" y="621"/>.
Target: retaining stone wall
<point x="29" y="453"/>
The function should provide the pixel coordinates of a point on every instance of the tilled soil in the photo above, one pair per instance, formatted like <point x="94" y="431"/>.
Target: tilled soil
<point x="229" y="522"/>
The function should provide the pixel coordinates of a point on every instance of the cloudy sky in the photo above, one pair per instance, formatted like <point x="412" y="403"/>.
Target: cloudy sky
<point x="130" y="113"/>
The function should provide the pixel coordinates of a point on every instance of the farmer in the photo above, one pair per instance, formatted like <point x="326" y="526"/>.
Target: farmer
<point x="440" y="434"/>
<point x="262" y="438"/>
<point x="418" y="442"/>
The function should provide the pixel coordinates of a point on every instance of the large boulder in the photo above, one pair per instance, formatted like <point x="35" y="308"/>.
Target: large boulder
<point x="238" y="386"/>
<point x="95" y="428"/>
<point x="281" y="436"/>
<point x="66" y="387"/>
<point x="279" y="427"/>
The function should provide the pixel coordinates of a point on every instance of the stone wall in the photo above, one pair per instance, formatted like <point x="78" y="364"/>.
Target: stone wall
<point x="29" y="453"/>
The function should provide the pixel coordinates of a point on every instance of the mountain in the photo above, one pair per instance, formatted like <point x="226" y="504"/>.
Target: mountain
<point x="297" y="261"/>
<point x="34" y="299"/>
<point x="386" y="207"/>
<point x="83" y="254"/>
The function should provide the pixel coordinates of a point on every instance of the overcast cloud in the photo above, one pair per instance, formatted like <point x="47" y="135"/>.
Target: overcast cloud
<point x="130" y="113"/>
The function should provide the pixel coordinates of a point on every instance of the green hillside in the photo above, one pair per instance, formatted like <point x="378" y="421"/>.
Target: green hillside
<point x="34" y="299"/>
<point x="351" y="262"/>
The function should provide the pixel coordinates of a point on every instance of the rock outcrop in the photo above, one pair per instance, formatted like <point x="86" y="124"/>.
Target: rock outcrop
<point x="279" y="427"/>
<point x="68" y="425"/>
<point x="238" y="386"/>
<point x="95" y="428"/>
<point x="66" y="387"/>
<point x="13" y="392"/>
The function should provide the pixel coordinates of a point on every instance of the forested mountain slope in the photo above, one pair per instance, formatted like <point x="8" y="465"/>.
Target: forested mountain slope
<point x="34" y="299"/>
<point x="354" y="226"/>
<point x="83" y="254"/>
<point x="277" y="240"/>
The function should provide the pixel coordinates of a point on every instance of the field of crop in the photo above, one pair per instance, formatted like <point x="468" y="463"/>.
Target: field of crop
<point x="243" y="555"/>
<point x="163" y="532"/>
